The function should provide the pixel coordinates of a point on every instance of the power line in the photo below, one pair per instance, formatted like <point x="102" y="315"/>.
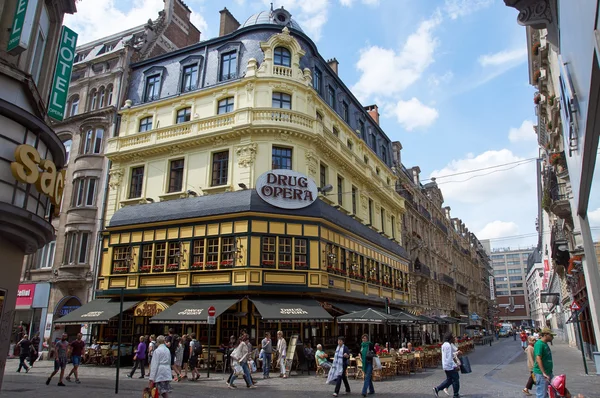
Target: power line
<point x="518" y="162"/>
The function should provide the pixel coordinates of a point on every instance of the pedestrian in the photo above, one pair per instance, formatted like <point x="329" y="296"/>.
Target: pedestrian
<point x="267" y="348"/>
<point x="139" y="358"/>
<point x="171" y="343"/>
<point x="543" y="365"/>
<point x="321" y="357"/>
<point x="178" y="357"/>
<point x="77" y="348"/>
<point x="60" y="359"/>
<point x="195" y="351"/>
<point x="35" y="345"/>
<point x="530" y="362"/>
<point x="340" y="364"/>
<point x="151" y="348"/>
<point x="450" y="365"/>
<point x="523" y="339"/>
<point x="239" y="357"/>
<point x="282" y="350"/>
<point x="251" y="358"/>
<point x="185" y="340"/>
<point x="367" y="353"/>
<point x="514" y="333"/>
<point x="24" y="352"/>
<point x="160" y="373"/>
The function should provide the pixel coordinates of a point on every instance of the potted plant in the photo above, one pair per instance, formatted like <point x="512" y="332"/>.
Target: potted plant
<point x="197" y="266"/>
<point x="226" y="263"/>
<point x="535" y="49"/>
<point x="285" y="264"/>
<point x="537" y="99"/>
<point x="551" y="100"/>
<point x="546" y="201"/>
<point x="173" y="267"/>
<point x="536" y="76"/>
<point x="158" y="268"/>
<point x="549" y="125"/>
<point x="211" y="265"/>
<point x="145" y="268"/>
<point x="301" y="265"/>
<point x="572" y="264"/>
<point x="268" y="263"/>
<point x="557" y="159"/>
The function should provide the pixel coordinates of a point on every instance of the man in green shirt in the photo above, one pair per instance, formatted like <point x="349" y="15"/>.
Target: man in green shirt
<point x="322" y="358"/>
<point x="542" y="367"/>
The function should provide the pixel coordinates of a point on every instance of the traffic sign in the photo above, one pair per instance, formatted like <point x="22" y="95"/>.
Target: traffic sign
<point x="211" y="320"/>
<point x="575" y="306"/>
<point x="212" y="311"/>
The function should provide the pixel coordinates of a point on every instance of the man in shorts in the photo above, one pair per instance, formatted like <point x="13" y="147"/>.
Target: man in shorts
<point x="77" y="348"/>
<point x="60" y="361"/>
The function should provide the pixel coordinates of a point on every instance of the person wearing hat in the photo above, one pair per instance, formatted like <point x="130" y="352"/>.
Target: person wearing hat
<point x="543" y="365"/>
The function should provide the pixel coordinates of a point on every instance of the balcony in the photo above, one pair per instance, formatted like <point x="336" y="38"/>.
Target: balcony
<point x="282" y="71"/>
<point x="422" y="269"/>
<point x="560" y="201"/>
<point x="441" y="226"/>
<point x="462" y="289"/>
<point x="446" y="279"/>
<point x="424" y="212"/>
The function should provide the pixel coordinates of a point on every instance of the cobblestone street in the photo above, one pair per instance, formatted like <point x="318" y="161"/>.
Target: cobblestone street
<point x="498" y="371"/>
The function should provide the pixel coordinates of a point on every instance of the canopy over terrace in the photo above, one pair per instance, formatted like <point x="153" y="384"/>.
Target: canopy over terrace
<point x="98" y="311"/>
<point x="291" y="310"/>
<point x="369" y="316"/>
<point x="193" y="311"/>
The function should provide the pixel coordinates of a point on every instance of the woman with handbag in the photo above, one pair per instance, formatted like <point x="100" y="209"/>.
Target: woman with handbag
<point x="160" y="370"/>
<point x="367" y="353"/>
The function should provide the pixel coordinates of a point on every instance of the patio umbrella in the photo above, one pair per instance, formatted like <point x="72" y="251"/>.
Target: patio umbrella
<point x="368" y="316"/>
<point x="404" y="317"/>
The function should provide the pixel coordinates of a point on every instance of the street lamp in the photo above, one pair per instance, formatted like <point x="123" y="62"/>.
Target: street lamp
<point x="325" y="189"/>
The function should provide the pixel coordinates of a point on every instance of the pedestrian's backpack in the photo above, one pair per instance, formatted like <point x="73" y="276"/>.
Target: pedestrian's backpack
<point x="197" y="348"/>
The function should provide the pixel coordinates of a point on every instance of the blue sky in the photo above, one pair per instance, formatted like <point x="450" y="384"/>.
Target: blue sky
<point x="449" y="76"/>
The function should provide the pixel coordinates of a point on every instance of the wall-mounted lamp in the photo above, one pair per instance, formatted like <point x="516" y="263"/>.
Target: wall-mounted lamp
<point x="149" y="200"/>
<point x="243" y="186"/>
<point x="325" y="189"/>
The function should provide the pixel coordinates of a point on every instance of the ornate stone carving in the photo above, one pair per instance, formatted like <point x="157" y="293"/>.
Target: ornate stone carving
<point x="115" y="177"/>
<point x="539" y="14"/>
<point x="218" y="141"/>
<point x="311" y="163"/>
<point x="283" y="136"/>
<point x="365" y="202"/>
<point x="246" y="154"/>
<point x="176" y="150"/>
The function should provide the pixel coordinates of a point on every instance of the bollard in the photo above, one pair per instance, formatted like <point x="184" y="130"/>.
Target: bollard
<point x="491" y="341"/>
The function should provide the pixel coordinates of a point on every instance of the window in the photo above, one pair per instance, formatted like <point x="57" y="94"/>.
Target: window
<point x="40" y="44"/>
<point x="361" y="129"/>
<point x="174" y="252"/>
<point x="331" y="97"/>
<point x="268" y="252"/>
<point x="336" y="132"/>
<point x="160" y="251"/>
<point x="152" y="88"/>
<point x="393" y="227"/>
<point x="383" y="220"/>
<point x="282" y="57"/>
<point x="228" y="66"/>
<point x="220" y="168"/>
<point x="370" y="212"/>
<point x="67" y="144"/>
<point x="93" y="100"/>
<point x="500" y="272"/>
<point x="501" y="293"/>
<point x="212" y="257"/>
<point x="120" y="259"/>
<point x="93" y="141"/>
<point x="515" y="271"/>
<point x="145" y="124"/>
<point x="300" y="253"/>
<point x="84" y="192"/>
<point x="317" y="79"/>
<point x="518" y="292"/>
<point x="282" y="101"/>
<point x="176" y="175"/>
<point x="184" y="115"/>
<point x="189" y="80"/>
<point x="74" y="106"/>
<point x="384" y="155"/>
<point x="350" y="144"/>
<point x="502" y="286"/>
<point x="137" y="181"/>
<point x="354" y="199"/>
<point x="285" y="253"/>
<point x="340" y="190"/>
<point x="322" y="175"/>
<point x="345" y="112"/>
<point x="225" y="106"/>
<point x="516" y="285"/>
<point x="515" y="278"/>
<point x="76" y="249"/>
<point x="102" y="97"/>
<point x="281" y="158"/>
<point x="146" y="263"/>
<point x="109" y="91"/>
<point x="227" y="252"/>
<point x="198" y="254"/>
<point x="44" y="257"/>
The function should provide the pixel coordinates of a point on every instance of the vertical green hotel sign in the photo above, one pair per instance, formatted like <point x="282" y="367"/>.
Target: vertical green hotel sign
<point x="22" y="24"/>
<point x="62" y="74"/>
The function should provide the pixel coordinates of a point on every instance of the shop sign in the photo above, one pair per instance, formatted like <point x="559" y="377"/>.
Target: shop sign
<point x="30" y="168"/>
<point x="22" y="24"/>
<point x="92" y="314"/>
<point x="25" y="295"/>
<point x="292" y="311"/>
<point x="492" y="291"/>
<point x="286" y="189"/>
<point x="67" y="309"/>
<point x="149" y="308"/>
<point x="62" y="74"/>
<point x="191" y="311"/>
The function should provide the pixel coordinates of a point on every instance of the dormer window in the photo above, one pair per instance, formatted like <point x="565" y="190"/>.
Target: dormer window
<point x="190" y="78"/>
<point x="152" y="88"/>
<point x="228" y="66"/>
<point x="282" y="57"/>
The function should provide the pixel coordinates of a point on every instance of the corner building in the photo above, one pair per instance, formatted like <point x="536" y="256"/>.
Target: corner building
<point x="186" y="227"/>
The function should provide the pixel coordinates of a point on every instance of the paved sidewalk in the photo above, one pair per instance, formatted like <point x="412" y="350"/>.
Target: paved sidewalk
<point x="498" y="371"/>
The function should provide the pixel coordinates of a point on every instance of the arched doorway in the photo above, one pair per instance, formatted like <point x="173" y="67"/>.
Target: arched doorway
<point x="66" y="305"/>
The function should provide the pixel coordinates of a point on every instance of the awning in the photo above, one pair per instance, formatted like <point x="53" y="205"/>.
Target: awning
<point x="447" y="320"/>
<point x="192" y="311"/>
<point x="405" y="317"/>
<point x="289" y="310"/>
<point x="351" y="307"/>
<point x="428" y="320"/>
<point x="97" y="311"/>
<point x="367" y="316"/>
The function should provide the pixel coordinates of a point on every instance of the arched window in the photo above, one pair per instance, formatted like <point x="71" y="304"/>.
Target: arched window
<point x="282" y="57"/>
<point x="109" y="93"/>
<point x="74" y="105"/>
<point x="102" y="97"/>
<point x="67" y="143"/>
<point x="93" y="140"/>
<point x="93" y="99"/>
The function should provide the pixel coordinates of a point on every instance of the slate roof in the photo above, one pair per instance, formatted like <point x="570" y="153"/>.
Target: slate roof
<point x="239" y="202"/>
<point x="264" y="17"/>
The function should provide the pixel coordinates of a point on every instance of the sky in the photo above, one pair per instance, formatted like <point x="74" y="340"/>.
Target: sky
<point x="450" y="78"/>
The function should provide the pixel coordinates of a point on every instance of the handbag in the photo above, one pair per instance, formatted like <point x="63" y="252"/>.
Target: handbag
<point x="150" y="392"/>
<point x="465" y="366"/>
<point x="377" y="363"/>
<point x="238" y="370"/>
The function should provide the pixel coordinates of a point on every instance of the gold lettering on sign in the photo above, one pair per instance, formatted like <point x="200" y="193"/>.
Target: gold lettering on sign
<point x="149" y="308"/>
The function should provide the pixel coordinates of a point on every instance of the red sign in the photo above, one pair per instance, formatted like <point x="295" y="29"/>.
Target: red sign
<point x="211" y="311"/>
<point x="575" y="306"/>
<point x="25" y="296"/>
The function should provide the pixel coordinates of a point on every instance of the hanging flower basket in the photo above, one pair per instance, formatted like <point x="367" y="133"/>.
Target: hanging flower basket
<point x="197" y="266"/>
<point x="557" y="159"/>
<point x="227" y="264"/>
<point x="535" y="49"/>
<point x="537" y="99"/>
<point x="145" y="268"/>
<point x="572" y="265"/>
<point x="173" y="267"/>
<point x="158" y="268"/>
<point x="211" y="265"/>
<point x="537" y="75"/>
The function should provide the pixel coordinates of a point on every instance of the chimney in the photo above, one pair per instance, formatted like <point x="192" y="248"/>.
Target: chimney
<point x="396" y="153"/>
<point x="228" y="22"/>
<point x="373" y="112"/>
<point x="333" y="64"/>
<point x="415" y="172"/>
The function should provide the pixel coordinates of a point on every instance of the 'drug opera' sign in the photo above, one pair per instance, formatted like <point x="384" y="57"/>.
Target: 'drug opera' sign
<point x="286" y="189"/>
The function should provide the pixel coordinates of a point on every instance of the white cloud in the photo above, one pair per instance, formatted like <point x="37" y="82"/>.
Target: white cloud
<point x="505" y="57"/>
<point x="388" y="72"/>
<point x="524" y="133"/>
<point x="594" y="217"/>
<point x="199" y="21"/>
<point x="310" y="14"/>
<point x="461" y="8"/>
<point x="348" y="3"/>
<point x="498" y="229"/>
<point x="437" y="80"/>
<point x="413" y="114"/>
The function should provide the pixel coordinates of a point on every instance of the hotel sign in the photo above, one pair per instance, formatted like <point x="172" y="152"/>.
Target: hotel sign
<point x="62" y="74"/>
<point x="286" y="189"/>
<point x="22" y="24"/>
